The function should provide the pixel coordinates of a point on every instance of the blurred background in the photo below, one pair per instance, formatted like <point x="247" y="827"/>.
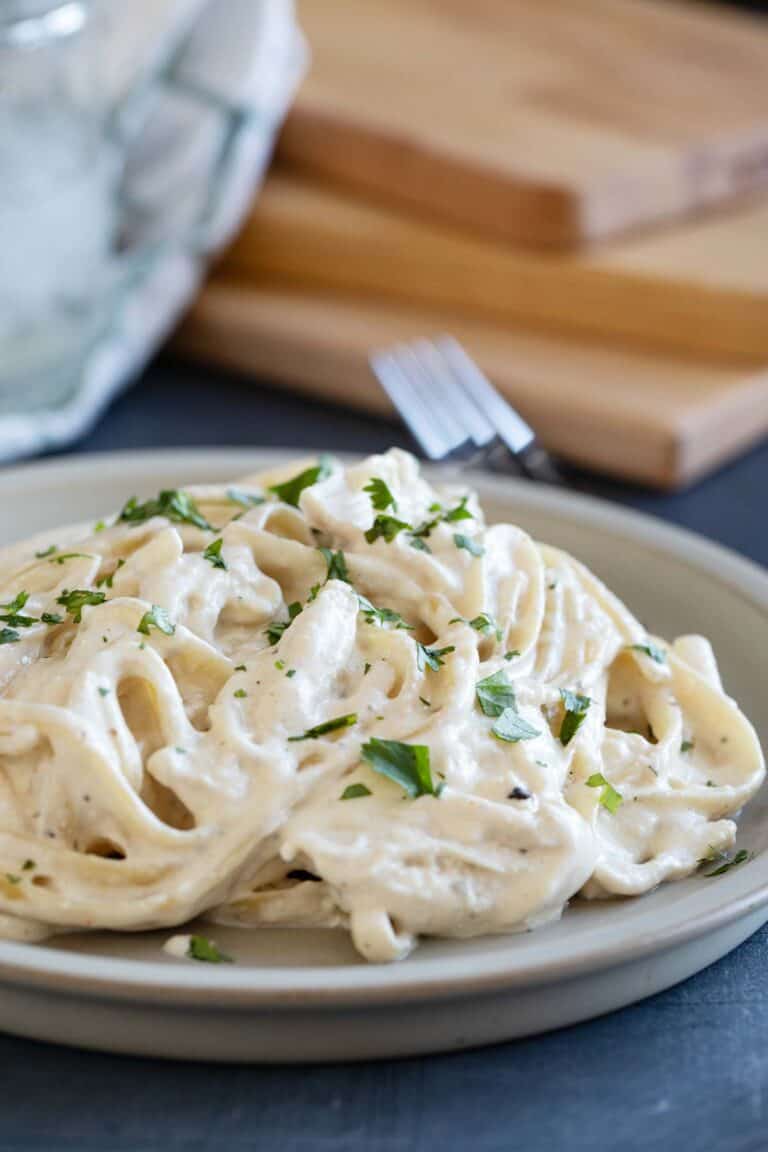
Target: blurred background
<point x="211" y="211"/>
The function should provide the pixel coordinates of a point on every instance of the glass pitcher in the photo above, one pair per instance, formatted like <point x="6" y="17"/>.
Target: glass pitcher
<point x="60" y="168"/>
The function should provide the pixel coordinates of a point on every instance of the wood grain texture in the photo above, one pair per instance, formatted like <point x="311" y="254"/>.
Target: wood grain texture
<point x="700" y="288"/>
<point x="651" y="418"/>
<point x="551" y="123"/>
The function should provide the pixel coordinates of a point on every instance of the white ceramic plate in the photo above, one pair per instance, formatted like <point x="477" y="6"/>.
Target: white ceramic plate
<point x="304" y="995"/>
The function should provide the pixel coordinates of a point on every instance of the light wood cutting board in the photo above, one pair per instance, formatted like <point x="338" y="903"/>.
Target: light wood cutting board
<point x="550" y="122"/>
<point x="700" y="288"/>
<point x="649" y="418"/>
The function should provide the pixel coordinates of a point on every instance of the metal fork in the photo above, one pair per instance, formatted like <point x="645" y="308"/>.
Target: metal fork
<point x="453" y="411"/>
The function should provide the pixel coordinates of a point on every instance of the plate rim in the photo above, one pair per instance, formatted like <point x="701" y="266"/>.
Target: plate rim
<point x="736" y="895"/>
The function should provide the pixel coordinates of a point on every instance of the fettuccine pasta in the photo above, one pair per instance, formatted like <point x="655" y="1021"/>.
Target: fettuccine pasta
<point x="332" y="696"/>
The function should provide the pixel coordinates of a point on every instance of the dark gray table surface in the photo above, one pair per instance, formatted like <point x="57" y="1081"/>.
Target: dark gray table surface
<point x="686" y="1069"/>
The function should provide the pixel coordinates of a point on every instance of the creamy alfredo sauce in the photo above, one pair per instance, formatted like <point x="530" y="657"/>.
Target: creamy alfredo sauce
<point x="332" y="696"/>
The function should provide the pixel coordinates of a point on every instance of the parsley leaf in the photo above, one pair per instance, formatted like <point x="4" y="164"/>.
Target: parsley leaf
<point x="336" y="564"/>
<point x="62" y="557"/>
<point x="290" y="490"/>
<point x="460" y="512"/>
<point x="495" y="693"/>
<point x="468" y="544"/>
<point x="381" y="497"/>
<point x="172" y="503"/>
<point x="327" y="726"/>
<point x="431" y="657"/>
<point x="658" y="655"/>
<point x="381" y="616"/>
<point x="511" y="727"/>
<point x="609" y="797"/>
<point x="9" y="636"/>
<point x="482" y="623"/>
<point x="277" y="627"/>
<point x="240" y="693"/>
<point x="109" y="579"/>
<point x="243" y="498"/>
<point x="355" y="791"/>
<point x="51" y="618"/>
<point x="739" y="858"/>
<point x="386" y="527"/>
<point x="12" y="614"/>
<point x="46" y="552"/>
<point x="157" y="617"/>
<point x="406" y="764"/>
<point x="576" y="708"/>
<point x="687" y="746"/>
<point x="213" y="554"/>
<point x="515" y="652"/>
<point x="79" y="598"/>
<point x="201" y="948"/>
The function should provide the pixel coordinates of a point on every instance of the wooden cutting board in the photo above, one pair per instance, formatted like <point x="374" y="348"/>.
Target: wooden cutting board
<point x="551" y="122"/>
<point x="700" y="288"/>
<point x="644" y="417"/>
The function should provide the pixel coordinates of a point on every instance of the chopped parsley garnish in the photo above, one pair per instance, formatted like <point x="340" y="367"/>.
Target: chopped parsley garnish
<point x="355" y="791"/>
<point x="609" y="797"/>
<point x="658" y="655"/>
<point x="277" y="627"/>
<point x="201" y="948"/>
<point x="12" y="879"/>
<point x="9" y="636"/>
<point x="381" y="616"/>
<point x="100" y="525"/>
<point x="240" y="694"/>
<point x="512" y="654"/>
<point x="240" y="668"/>
<point x="336" y="564"/>
<point x="482" y="623"/>
<point x="431" y="657"/>
<point x="103" y="691"/>
<point x="280" y="665"/>
<point x="28" y="865"/>
<point x="80" y="598"/>
<point x="62" y="557"/>
<point x="46" y="552"/>
<point x="11" y="612"/>
<point x="157" y="617"/>
<point x="327" y="726"/>
<point x="291" y="673"/>
<point x="739" y="858"/>
<point x="367" y="668"/>
<point x="576" y="708"/>
<point x="495" y="693"/>
<point x="511" y="727"/>
<point x="172" y="503"/>
<point x="381" y="497"/>
<point x="460" y="512"/>
<point x="243" y="498"/>
<point x="387" y="527"/>
<point x="687" y="746"/>
<point x="406" y="764"/>
<point x="468" y="544"/>
<point x="418" y="543"/>
<point x="290" y="490"/>
<point x="213" y="554"/>
<point x="109" y="579"/>
<point x="425" y="702"/>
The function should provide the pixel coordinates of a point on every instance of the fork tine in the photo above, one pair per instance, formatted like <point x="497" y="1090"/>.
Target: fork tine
<point x="408" y="404"/>
<point x="447" y="388"/>
<point x="509" y="426"/>
<point x="410" y="390"/>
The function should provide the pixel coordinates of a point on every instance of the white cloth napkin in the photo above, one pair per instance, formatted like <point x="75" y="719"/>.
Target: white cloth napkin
<point x="216" y="78"/>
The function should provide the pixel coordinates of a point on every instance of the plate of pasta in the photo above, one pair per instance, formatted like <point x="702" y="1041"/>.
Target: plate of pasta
<point x="316" y="758"/>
